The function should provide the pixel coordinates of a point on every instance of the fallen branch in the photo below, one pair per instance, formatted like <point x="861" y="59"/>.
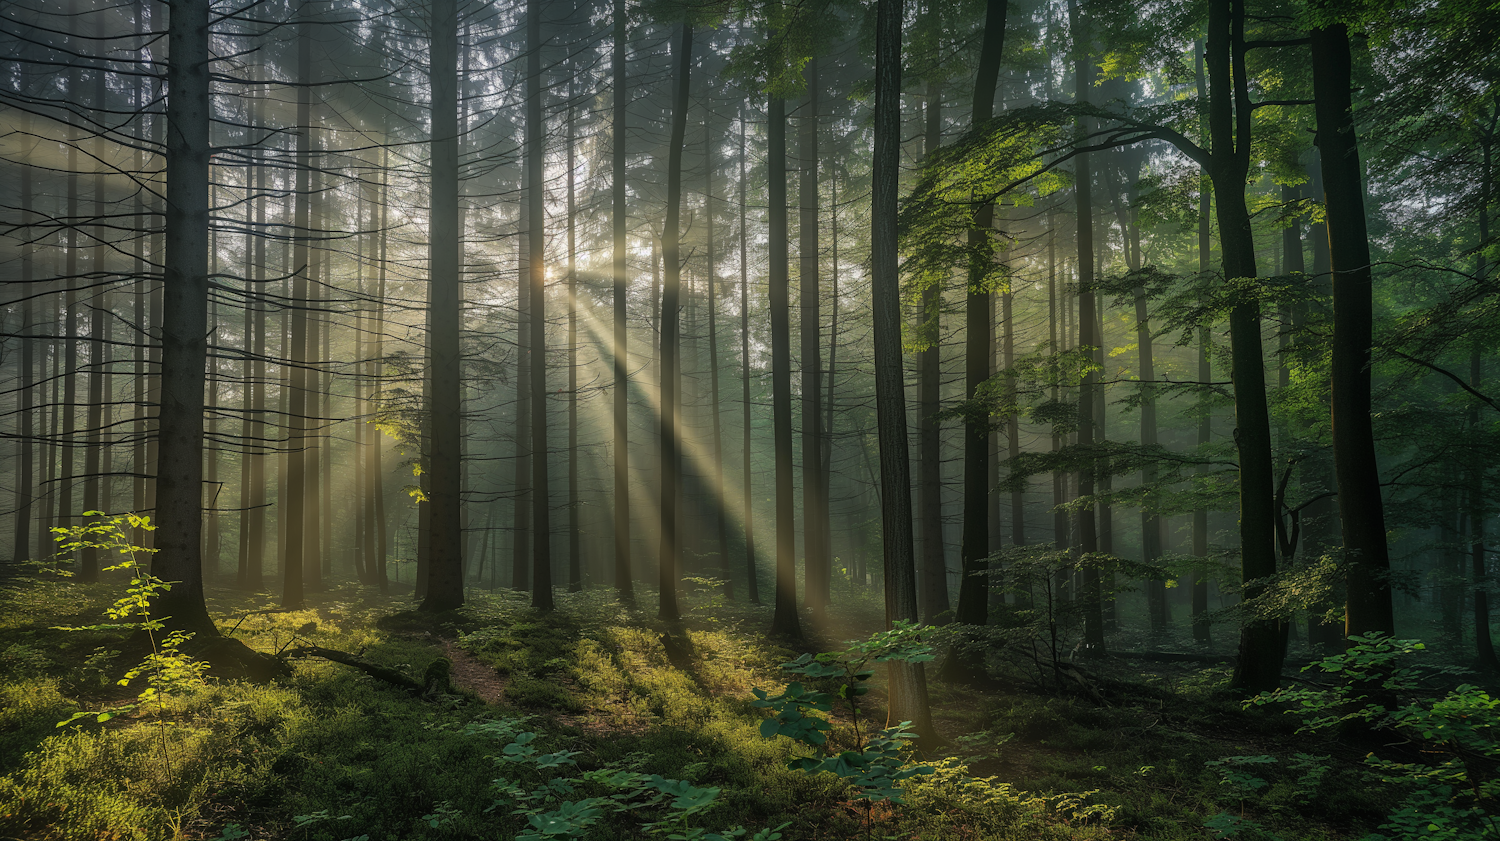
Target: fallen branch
<point x="375" y="670"/>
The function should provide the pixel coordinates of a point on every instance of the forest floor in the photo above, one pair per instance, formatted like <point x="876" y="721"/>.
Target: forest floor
<point x="330" y="754"/>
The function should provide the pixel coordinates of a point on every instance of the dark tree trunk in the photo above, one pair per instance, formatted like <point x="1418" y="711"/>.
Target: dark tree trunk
<point x="445" y="585"/>
<point x="752" y="582"/>
<point x="784" y="621"/>
<point x="293" y="501"/>
<point x="575" y="530"/>
<point x="624" y="584"/>
<point x="1229" y="116"/>
<point x="817" y="561"/>
<point x="718" y="500"/>
<point x="935" y="602"/>
<point x="908" y="685"/>
<point x="979" y="328"/>
<point x="1088" y="538"/>
<point x="1361" y="510"/>
<point x="184" y="326"/>
<point x="521" y="560"/>
<point x="667" y="558"/>
<point x="536" y="233"/>
<point x="1201" y="625"/>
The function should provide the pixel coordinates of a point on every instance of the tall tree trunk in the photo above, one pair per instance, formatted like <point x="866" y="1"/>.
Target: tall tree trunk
<point x="521" y="557"/>
<point x="752" y="581"/>
<point x="96" y="461"/>
<point x="536" y="209"/>
<point x="833" y="349"/>
<point x="293" y="500"/>
<point x="1229" y="117"/>
<point x="1060" y="529"/>
<point x="934" y="591"/>
<point x="908" y="683"/>
<point x="979" y="328"/>
<point x="445" y="585"/>
<point x="1201" y="624"/>
<point x="670" y="410"/>
<point x="718" y="499"/>
<point x="784" y="621"/>
<point x="575" y="559"/>
<point x="1361" y="510"/>
<point x="1483" y="642"/>
<point x="25" y="432"/>
<point x="313" y="419"/>
<point x="817" y="563"/>
<point x="184" y="326"/>
<point x="375" y="472"/>
<point x="624" y="584"/>
<point x="1088" y="538"/>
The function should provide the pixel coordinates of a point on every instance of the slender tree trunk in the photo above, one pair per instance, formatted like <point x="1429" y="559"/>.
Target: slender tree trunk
<point x="833" y="349"/>
<point x="1059" y="479"/>
<point x="25" y="432"/>
<point x="908" y="686"/>
<point x="718" y="499"/>
<point x="752" y="581"/>
<point x="1088" y="538"/>
<point x="313" y="420"/>
<point x="1229" y="116"/>
<point x="934" y="591"/>
<point x="293" y="500"/>
<point x="670" y="333"/>
<point x="375" y="471"/>
<point x="96" y="460"/>
<point x="541" y="573"/>
<point x="785" y="621"/>
<point x="979" y="329"/>
<point x="817" y="563"/>
<point x="521" y="556"/>
<point x="623" y="582"/>
<point x="1361" y="510"/>
<point x="1201" y="624"/>
<point x="179" y="494"/>
<point x="1483" y="642"/>
<point x="575" y="559"/>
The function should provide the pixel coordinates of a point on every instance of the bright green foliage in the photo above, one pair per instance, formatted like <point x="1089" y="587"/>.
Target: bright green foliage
<point x="166" y="669"/>
<point x="876" y="766"/>
<point x="1452" y="791"/>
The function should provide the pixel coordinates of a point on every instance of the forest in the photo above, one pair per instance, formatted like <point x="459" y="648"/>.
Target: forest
<point x="778" y="420"/>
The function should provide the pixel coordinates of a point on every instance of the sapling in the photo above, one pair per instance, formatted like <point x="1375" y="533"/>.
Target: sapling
<point x="166" y="669"/>
<point x="876" y="766"/>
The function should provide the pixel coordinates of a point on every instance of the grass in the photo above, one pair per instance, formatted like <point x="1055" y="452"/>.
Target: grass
<point x="329" y="754"/>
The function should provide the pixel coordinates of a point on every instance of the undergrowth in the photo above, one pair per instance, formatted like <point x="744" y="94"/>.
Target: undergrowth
<point x="611" y="726"/>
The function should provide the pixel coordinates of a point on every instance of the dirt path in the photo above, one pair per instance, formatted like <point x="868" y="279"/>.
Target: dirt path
<point x="469" y="673"/>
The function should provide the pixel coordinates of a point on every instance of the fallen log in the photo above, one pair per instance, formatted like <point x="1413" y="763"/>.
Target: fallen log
<point x="375" y="670"/>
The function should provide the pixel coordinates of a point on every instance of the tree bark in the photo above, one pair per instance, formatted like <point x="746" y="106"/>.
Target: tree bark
<point x="445" y="585"/>
<point x="718" y="499"/>
<point x="536" y="233"/>
<point x="1201" y="625"/>
<point x="670" y="410"/>
<point x="752" y="582"/>
<point x="624" y="585"/>
<point x="908" y="685"/>
<point x="979" y="328"/>
<point x="1361" y="510"/>
<point x="1229" y="116"/>
<point x="936" y="607"/>
<point x="1088" y="538"/>
<point x="784" y="621"/>
<point x="179" y="494"/>
<point x="817" y="561"/>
